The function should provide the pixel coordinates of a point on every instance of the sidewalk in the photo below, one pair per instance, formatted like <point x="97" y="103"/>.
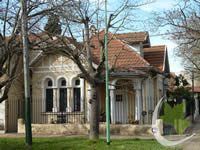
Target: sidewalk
<point x="192" y="144"/>
<point x="19" y="135"/>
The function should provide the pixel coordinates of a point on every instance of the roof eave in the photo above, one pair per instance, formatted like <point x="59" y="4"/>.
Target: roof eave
<point x="150" y="68"/>
<point x="128" y="74"/>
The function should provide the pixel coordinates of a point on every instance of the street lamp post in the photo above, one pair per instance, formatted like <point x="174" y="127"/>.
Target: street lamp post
<point x="107" y="80"/>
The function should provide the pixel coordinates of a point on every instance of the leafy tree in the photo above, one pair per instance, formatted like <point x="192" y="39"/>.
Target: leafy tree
<point x="53" y="26"/>
<point x="181" y="81"/>
<point x="180" y="89"/>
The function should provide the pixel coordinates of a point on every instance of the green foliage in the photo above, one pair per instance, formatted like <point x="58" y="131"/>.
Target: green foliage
<point x="81" y="144"/>
<point x="175" y="117"/>
<point x="181" y="81"/>
<point x="53" y="25"/>
<point x="181" y="92"/>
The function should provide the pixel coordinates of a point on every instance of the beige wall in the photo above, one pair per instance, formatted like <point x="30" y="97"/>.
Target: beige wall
<point x="14" y="105"/>
<point x="83" y="129"/>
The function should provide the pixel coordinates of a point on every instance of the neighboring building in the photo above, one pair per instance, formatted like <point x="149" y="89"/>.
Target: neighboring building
<point x="138" y="81"/>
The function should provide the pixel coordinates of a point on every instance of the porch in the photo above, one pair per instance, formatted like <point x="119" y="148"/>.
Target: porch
<point x="132" y="101"/>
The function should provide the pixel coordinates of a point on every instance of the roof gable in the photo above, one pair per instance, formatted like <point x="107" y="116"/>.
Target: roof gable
<point x="120" y="55"/>
<point x="156" y="56"/>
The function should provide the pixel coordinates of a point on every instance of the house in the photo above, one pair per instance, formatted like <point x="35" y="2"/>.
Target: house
<point x="59" y="95"/>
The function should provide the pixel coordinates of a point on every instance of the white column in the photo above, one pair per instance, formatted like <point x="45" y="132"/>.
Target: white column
<point x="137" y="87"/>
<point x="55" y="100"/>
<point x="43" y="99"/>
<point x="69" y="100"/>
<point x="82" y="86"/>
<point x="143" y="102"/>
<point x="89" y="106"/>
<point x="112" y="105"/>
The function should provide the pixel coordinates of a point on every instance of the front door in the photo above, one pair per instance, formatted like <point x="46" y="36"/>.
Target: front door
<point x="121" y="108"/>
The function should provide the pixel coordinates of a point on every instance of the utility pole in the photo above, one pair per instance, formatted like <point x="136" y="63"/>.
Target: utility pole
<point x="26" y="72"/>
<point x="107" y="80"/>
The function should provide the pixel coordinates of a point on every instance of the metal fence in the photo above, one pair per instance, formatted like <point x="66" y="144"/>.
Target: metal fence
<point x="16" y="109"/>
<point x="40" y="117"/>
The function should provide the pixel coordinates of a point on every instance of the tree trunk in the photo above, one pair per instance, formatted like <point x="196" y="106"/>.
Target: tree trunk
<point x="94" y="113"/>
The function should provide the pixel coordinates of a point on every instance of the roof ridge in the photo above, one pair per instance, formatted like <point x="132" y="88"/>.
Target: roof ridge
<point x="132" y="32"/>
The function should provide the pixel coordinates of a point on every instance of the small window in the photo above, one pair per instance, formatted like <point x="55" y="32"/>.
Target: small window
<point x="50" y="83"/>
<point x="63" y="82"/>
<point x="77" y="82"/>
<point x="118" y="98"/>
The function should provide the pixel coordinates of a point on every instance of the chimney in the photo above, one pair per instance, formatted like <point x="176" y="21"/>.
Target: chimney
<point x="93" y="30"/>
<point x="141" y="50"/>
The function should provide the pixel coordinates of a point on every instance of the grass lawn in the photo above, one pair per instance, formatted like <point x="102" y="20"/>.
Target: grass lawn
<point x="80" y="144"/>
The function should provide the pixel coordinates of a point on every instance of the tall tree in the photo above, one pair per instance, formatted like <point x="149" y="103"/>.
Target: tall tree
<point x="76" y="17"/>
<point x="53" y="26"/>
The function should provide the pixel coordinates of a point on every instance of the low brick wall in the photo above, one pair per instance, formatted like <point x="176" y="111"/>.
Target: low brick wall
<point x="83" y="129"/>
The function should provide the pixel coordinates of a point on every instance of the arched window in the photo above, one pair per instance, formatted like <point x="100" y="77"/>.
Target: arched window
<point x="49" y="95"/>
<point x="50" y="83"/>
<point x="77" y="82"/>
<point x="63" y="82"/>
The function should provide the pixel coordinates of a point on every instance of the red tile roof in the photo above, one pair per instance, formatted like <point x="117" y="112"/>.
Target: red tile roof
<point x="133" y="37"/>
<point x="155" y="56"/>
<point x="120" y="54"/>
<point x="124" y="56"/>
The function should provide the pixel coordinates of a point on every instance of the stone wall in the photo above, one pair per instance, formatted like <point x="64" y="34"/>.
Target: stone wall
<point x="83" y="129"/>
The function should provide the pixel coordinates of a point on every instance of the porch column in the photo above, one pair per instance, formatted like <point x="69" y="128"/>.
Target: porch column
<point x="69" y="100"/>
<point x="112" y="104"/>
<point x="137" y="87"/>
<point x="88" y="98"/>
<point x="82" y="94"/>
<point x="55" y="106"/>
<point x="43" y="99"/>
